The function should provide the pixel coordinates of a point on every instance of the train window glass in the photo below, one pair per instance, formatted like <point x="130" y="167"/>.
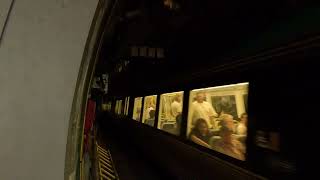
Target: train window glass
<point x="143" y="51"/>
<point x="134" y="51"/>
<point x="127" y="107"/>
<point x="149" y="110"/>
<point x="137" y="108"/>
<point x="116" y="108"/>
<point x="104" y="106"/>
<point x="170" y="112"/>
<point x="109" y="106"/>
<point x="120" y="107"/>
<point x="217" y="118"/>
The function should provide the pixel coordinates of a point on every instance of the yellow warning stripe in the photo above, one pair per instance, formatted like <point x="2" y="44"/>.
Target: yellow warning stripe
<point x="105" y="159"/>
<point x="106" y="167"/>
<point x="108" y="173"/>
<point x="104" y="155"/>
<point x="105" y="164"/>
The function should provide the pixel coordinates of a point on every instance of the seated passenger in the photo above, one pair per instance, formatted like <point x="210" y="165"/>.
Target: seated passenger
<point x="242" y="125"/>
<point x="228" y="144"/>
<point x="137" y="114"/>
<point x="150" y="121"/>
<point x="150" y="105"/>
<point x="200" y="134"/>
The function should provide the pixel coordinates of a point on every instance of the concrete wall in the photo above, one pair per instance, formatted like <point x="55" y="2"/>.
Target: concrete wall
<point x="4" y="8"/>
<point x="40" y="57"/>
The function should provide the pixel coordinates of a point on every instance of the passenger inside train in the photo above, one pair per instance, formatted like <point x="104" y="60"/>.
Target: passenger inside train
<point x="149" y="109"/>
<point x="200" y="133"/>
<point x="214" y="123"/>
<point x="137" y="108"/>
<point x="170" y="112"/>
<point x="187" y="72"/>
<point x="151" y="118"/>
<point x="227" y="143"/>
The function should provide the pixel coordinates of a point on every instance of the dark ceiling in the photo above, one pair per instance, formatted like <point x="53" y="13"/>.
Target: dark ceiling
<point x="198" y="33"/>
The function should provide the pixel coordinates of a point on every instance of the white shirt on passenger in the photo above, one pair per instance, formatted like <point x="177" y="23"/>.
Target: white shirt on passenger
<point x="176" y="108"/>
<point x="202" y="110"/>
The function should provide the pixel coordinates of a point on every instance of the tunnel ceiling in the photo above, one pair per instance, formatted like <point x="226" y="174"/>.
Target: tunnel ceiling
<point x="198" y="30"/>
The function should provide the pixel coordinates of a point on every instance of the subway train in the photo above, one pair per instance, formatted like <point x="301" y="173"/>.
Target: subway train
<point x="232" y="101"/>
<point x="273" y="90"/>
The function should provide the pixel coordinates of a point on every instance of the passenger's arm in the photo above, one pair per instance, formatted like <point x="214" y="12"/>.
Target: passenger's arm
<point x="199" y="141"/>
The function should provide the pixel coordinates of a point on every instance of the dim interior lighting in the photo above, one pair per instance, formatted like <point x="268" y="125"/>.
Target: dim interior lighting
<point x="222" y="110"/>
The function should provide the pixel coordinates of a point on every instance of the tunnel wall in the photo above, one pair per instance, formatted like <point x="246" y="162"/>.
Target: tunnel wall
<point x="40" y="56"/>
<point x="4" y="9"/>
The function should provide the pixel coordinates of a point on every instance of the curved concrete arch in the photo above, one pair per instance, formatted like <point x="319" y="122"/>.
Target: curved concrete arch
<point x="94" y="42"/>
<point x="40" y="57"/>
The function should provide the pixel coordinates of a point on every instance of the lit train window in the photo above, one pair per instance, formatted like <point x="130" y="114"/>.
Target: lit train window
<point x="109" y="106"/>
<point x="124" y="107"/>
<point x="217" y="118"/>
<point x="137" y="108"/>
<point x="127" y="107"/>
<point x="104" y="106"/>
<point x="120" y="107"/>
<point x="116" y="108"/>
<point x="170" y="112"/>
<point x="149" y="110"/>
<point x="118" y="102"/>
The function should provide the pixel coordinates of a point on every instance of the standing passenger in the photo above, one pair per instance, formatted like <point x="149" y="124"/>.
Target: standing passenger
<point x="176" y="111"/>
<point x="201" y="109"/>
<point x="150" y="105"/>
<point x="137" y="114"/>
<point x="176" y="106"/>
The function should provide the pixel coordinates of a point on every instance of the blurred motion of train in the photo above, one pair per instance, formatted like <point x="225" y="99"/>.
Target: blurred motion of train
<point x="211" y="89"/>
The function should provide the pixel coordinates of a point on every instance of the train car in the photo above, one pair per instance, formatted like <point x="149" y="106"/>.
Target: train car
<point x="225" y="95"/>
